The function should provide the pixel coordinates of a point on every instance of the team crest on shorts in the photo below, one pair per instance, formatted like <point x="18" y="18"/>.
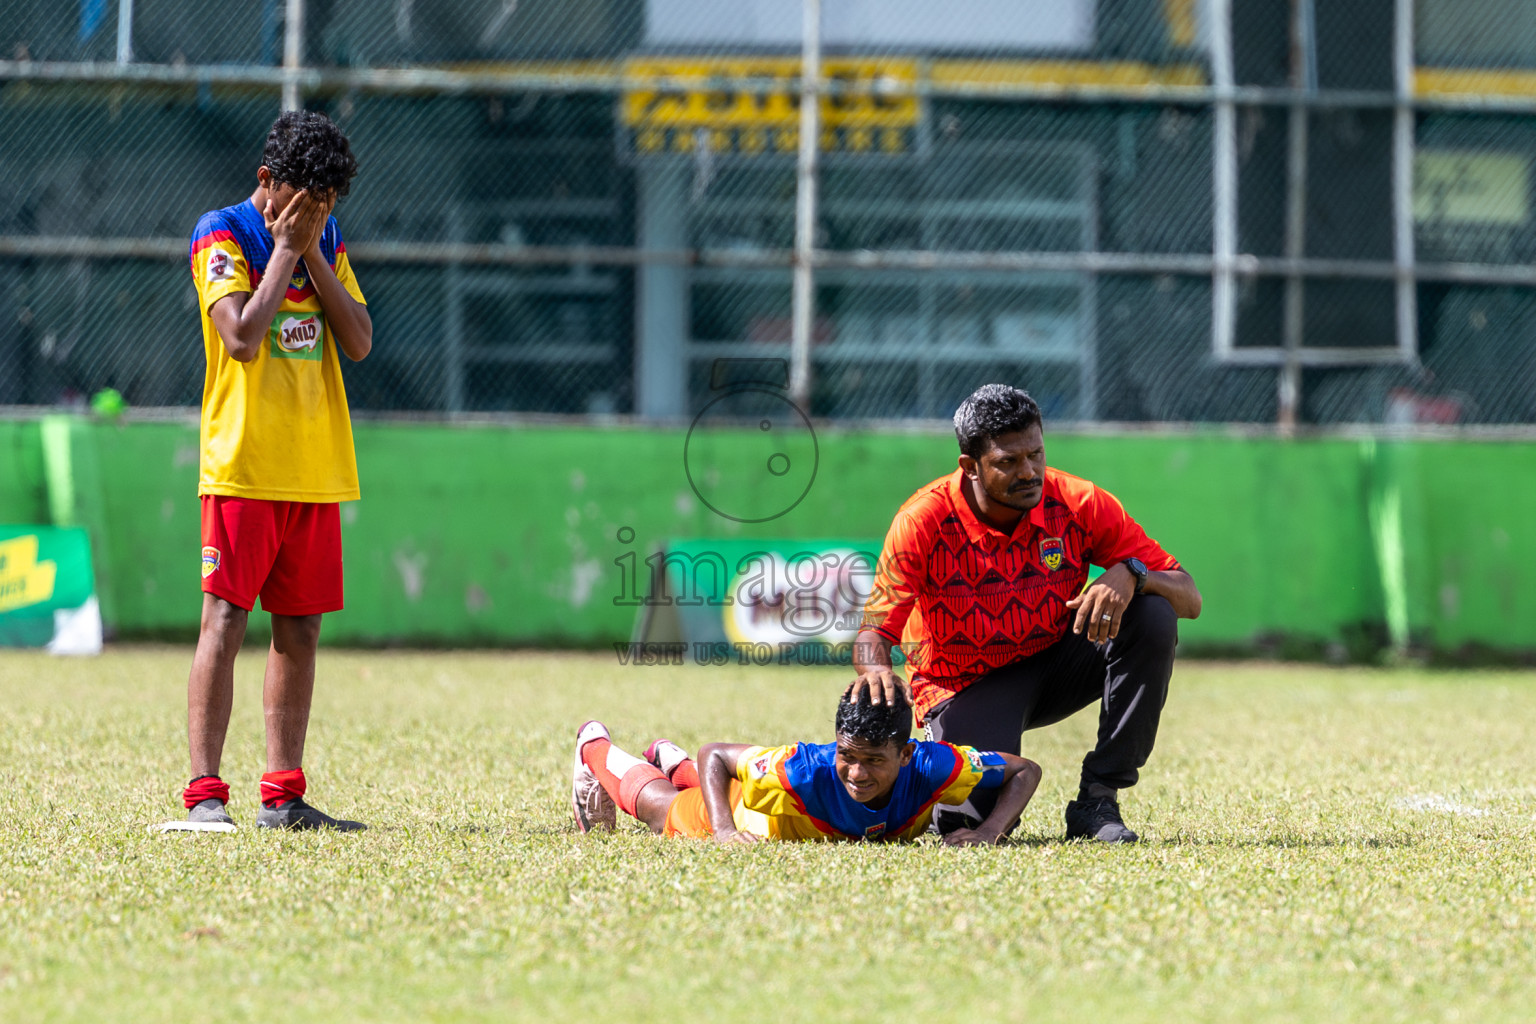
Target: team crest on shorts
<point x="210" y="561"/>
<point x="1050" y="553"/>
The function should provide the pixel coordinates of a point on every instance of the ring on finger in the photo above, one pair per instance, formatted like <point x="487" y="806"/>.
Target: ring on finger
<point x="1105" y="618"/>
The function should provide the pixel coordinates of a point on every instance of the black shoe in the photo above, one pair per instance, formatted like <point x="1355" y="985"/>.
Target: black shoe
<point x="1098" y="819"/>
<point x="300" y="817"/>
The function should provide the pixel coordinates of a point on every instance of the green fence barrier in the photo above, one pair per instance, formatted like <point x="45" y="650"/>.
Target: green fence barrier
<point x="516" y="534"/>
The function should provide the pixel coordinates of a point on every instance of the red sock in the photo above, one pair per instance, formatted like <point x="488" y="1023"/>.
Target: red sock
<point x="277" y="788"/>
<point x="622" y="776"/>
<point x="685" y="775"/>
<point x="205" y="787"/>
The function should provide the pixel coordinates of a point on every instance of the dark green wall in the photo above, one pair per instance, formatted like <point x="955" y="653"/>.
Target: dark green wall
<point x="23" y="493"/>
<point x="508" y="534"/>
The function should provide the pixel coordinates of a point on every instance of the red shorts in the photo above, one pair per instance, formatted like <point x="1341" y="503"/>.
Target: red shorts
<point x="287" y="552"/>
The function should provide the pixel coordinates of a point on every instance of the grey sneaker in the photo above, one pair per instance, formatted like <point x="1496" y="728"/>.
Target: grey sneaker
<point x="591" y="805"/>
<point x="208" y="816"/>
<point x="210" y="812"/>
<point x="1098" y="819"/>
<point x="300" y="817"/>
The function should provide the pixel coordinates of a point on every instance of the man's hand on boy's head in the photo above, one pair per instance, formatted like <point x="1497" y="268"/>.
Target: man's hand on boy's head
<point x="882" y="684"/>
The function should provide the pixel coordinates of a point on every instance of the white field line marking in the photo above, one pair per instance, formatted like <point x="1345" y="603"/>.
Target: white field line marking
<point x="193" y="826"/>
<point x="1440" y="802"/>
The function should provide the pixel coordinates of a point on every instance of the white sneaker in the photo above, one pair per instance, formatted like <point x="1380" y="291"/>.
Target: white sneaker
<point x="591" y="805"/>
<point x="666" y="755"/>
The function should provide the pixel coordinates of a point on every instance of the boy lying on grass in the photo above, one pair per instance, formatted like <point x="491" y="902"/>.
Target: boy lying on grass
<point x="875" y="783"/>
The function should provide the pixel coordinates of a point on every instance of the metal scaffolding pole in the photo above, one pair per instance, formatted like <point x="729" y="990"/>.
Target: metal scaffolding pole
<point x="1402" y="184"/>
<point x="1223" y="184"/>
<point x="804" y="299"/>
<point x="596" y="77"/>
<point x="1304" y="79"/>
<point x="124" y="31"/>
<point x="1504" y="275"/>
<point x="293" y="55"/>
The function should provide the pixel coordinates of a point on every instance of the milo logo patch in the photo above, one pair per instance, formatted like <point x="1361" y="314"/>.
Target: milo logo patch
<point x="298" y="336"/>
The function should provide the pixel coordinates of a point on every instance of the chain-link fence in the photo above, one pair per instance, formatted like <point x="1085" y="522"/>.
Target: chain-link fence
<point x="1141" y="210"/>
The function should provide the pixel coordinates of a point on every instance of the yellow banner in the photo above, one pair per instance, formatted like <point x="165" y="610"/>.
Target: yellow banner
<point x="23" y="579"/>
<point x="704" y="104"/>
<point x="707" y="94"/>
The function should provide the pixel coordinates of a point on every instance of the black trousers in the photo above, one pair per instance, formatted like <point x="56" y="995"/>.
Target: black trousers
<point x="1127" y="677"/>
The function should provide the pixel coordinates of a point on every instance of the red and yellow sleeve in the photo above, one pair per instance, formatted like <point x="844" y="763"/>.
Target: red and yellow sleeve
<point x="219" y="267"/>
<point x="764" y="788"/>
<point x="1115" y="536"/>
<point x="976" y="769"/>
<point x="344" y="274"/>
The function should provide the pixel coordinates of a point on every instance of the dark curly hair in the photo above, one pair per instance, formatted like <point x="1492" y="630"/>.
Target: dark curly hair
<point x="991" y="411"/>
<point x="306" y="150"/>
<point x="875" y="724"/>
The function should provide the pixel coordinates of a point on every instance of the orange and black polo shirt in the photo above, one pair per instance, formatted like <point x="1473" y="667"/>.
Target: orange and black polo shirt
<point x="963" y="598"/>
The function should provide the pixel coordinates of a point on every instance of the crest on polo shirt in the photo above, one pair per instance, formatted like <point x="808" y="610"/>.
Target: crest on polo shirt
<point x="1051" y="551"/>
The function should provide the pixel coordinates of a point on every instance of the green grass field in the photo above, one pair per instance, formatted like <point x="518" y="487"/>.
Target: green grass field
<point x="1336" y="844"/>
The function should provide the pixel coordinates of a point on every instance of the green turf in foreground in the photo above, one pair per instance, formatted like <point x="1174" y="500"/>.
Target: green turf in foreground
<point x="1323" y="844"/>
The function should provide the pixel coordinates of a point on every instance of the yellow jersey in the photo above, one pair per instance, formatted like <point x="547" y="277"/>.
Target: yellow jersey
<point x="277" y="427"/>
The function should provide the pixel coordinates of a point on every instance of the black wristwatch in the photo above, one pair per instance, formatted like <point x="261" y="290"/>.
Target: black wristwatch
<point x="1139" y="570"/>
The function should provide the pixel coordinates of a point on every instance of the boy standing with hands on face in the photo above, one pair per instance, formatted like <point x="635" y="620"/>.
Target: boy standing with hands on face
<point x="278" y="302"/>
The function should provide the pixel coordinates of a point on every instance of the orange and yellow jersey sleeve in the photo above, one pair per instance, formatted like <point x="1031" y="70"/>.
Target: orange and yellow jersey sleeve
<point x="277" y="427"/>
<point x="954" y="773"/>
<point x="770" y="807"/>
<point x="979" y="769"/>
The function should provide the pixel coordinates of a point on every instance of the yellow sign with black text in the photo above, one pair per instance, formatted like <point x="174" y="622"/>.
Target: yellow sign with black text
<point x="752" y="106"/>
